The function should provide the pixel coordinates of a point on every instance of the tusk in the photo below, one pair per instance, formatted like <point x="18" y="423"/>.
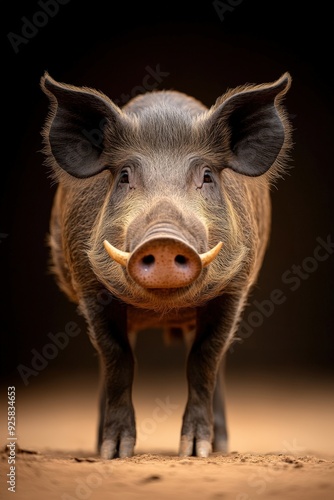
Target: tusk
<point x="207" y="257"/>
<point x="117" y="255"/>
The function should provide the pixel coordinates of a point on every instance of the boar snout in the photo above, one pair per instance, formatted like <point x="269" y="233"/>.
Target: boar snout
<point x="163" y="262"/>
<point x="164" y="243"/>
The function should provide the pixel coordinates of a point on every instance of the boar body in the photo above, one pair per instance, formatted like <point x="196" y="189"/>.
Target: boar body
<point x="146" y="194"/>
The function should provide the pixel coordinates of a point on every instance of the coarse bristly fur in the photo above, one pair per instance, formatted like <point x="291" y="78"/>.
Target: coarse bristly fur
<point x="158" y="130"/>
<point x="204" y="172"/>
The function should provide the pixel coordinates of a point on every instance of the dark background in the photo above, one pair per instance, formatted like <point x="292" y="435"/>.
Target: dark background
<point x="109" y="46"/>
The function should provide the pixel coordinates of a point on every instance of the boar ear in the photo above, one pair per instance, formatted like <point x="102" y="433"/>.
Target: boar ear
<point x="74" y="133"/>
<point x="248" y="127"/>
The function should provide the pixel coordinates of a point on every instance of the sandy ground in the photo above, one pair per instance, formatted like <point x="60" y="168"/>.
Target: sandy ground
<point x="281" y="442"/>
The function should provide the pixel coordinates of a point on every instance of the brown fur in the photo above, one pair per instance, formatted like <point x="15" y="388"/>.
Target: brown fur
<point x="166" y="137"/>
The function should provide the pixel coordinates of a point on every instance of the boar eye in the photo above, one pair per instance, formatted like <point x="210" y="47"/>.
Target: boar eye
<point x="124" y="178"/>
<point x="207" y="176"/>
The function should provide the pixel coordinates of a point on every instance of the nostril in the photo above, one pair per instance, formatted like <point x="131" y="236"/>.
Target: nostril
<point x="148" y="260"/>
<point x="181" y="260"/>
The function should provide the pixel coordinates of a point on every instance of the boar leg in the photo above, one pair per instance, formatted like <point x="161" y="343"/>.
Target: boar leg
<point x="107" y="329"/>
<point x="219" y="417"/>
<point x="102" y="416"/>
<point x="215" y="323"/>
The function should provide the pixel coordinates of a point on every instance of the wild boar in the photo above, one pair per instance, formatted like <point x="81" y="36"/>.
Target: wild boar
<point x="163" y="209"/>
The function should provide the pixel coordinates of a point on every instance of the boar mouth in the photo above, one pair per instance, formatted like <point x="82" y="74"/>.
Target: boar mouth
<point x="167" y="291"/>
<point x="163" y="264"/>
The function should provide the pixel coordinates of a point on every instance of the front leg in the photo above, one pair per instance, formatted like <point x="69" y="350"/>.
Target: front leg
<point x="108" y="333"/>
<point x="216" y="323"/>
<point x="220" y="438"/>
